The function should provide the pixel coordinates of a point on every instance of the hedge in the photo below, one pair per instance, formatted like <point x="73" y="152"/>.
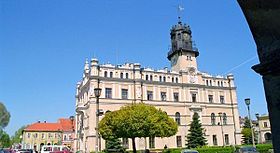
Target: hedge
<point x="262" y="148"/>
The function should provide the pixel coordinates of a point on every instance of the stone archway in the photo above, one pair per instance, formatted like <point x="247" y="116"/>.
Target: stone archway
<point x="268" y="137"/>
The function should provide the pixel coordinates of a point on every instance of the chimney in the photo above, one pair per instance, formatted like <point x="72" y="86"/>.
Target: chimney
<point x="39" y="121"/>
<point x="45" y="121"/>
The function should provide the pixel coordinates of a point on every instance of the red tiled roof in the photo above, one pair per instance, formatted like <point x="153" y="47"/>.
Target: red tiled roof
<point x="66" y="124"/>
<point x="44" y="127"/>
<point x="63" y="124"/>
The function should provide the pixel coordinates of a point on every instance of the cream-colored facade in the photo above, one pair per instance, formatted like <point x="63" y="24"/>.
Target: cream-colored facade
<point x="180" y="92"/>
<point x="264" y="130"/>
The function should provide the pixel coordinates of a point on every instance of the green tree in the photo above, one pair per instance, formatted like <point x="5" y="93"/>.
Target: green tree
<point x="247" y="133"/>
<point x="17" y="137"/>
<point x="137" y="120"/>
<point x="195" y="137"/>
<point x="113" y="144"/>
<point x="5" y="141"/>
<point x="4" y="116"/>
<point x="247" y="123"/>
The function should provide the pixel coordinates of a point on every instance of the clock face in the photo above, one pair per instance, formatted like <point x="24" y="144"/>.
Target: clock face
<point x="192" y="73"/>
<point x="186" y="36"/>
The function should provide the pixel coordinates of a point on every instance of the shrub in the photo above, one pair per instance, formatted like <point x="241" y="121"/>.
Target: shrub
<point x="264" y="148"/>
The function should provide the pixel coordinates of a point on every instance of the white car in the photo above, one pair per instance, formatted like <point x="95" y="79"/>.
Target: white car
<point x="53" y="148"/>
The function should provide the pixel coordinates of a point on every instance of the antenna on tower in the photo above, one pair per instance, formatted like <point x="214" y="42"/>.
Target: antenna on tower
<point x="180" y="10"/>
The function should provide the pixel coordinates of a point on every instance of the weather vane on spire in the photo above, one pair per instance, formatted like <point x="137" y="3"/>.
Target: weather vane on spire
<point x="180" y="12"/>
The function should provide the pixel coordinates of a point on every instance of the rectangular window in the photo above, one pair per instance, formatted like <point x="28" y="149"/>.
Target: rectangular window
<point x="226" y="139"/>
<point x="43" y="136"/>
<point x="179" y="141"/>
<point x="36" y="135"/>
<point x="265" y="124"/>
<point x="28" y="135"/>
<point x="125" y="143"/>
<point x="50" y="135"/>
<point x="215" y="142"/>
<point x="210" y="98"/>
<point x="108" y="93"/>
<point x="193" y="97"/>
<point x="149" y="95"/>
<point x="124" y="94"/>
<point x="151" y="142"/>
<point x="222" y="99"/>
<point x="176" y="96"/>
<point x="163" y="96"/>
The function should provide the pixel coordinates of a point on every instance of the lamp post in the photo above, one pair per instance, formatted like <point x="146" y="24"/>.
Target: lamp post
<point x="97" y="93"/>
<point x="247" y="102"/>
<point x="259" y="131"/>
<point x="220" y="115"/>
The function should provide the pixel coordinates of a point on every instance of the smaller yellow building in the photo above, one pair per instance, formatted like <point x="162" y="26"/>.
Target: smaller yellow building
<point x="38" y="134"/>
<point x="42" y="133"/>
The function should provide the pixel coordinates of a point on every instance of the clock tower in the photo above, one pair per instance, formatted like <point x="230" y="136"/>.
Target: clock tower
<point x="182" y="54"/>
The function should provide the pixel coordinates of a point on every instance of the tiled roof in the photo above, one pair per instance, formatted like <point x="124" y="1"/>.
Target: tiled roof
<point x="63" y="124"/>
<point x="66" y="124"/>
<point x="44" y="127"/>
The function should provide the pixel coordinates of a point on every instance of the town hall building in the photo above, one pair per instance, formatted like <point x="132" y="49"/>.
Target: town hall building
<point x="180" y="92"/>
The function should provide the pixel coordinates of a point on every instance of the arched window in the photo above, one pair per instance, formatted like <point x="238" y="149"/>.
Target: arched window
<point x="207" y="83"/>
<point x="222" y="83"/>
<point x="126" y="75"/>
<point x="172" y="79"/>
<point x="213" y="119"/>
<point x="147" y="77"/>
<point x="210" y="81"/>
<point x="121" y="75"/>
<point x="218" y="83"/>
<point x="177" y="118"/>
<point x="267" y="137"/>
<point x="164" y="79"/>
<point x="224" y="119"/>
<point x="151" y="78"/>
<point x="111" y="74"/>
<point x="160" y="78"/>
<point x="176" y="80"/>
<point x="105" y="74"/>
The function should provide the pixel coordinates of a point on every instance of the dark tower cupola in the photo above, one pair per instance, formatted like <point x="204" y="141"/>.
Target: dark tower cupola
<point x="182" y="46"/>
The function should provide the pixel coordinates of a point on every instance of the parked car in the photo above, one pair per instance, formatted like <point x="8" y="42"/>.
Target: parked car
<point x="54" y="148"/>
<point x="247" y="149"/>
<point x="24" y="151"/>
<point x="189" y="151"/>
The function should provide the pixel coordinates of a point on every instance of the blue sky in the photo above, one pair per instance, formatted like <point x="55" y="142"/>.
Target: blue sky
<point x="43" y="46"/>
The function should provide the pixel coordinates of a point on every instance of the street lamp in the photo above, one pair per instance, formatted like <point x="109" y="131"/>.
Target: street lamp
<point x="259" y="138"/>
<point x="97" y="93"/>
<point x="247" y="102"/>
<point x="220" y="115"/>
